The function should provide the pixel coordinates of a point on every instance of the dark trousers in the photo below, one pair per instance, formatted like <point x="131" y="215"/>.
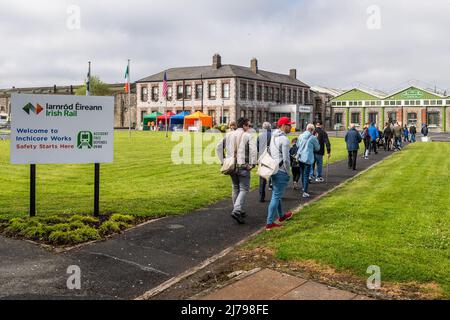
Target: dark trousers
<point x="387" y="143"/>
<point x="296" y="173"/>
<point x="262" y="188"/>
<point x="305" y="170"/>
<point x="352" y="156"/>
<point x="374" y="146"/>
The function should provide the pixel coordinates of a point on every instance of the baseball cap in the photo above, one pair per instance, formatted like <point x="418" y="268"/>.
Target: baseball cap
<point x="285" y="121"/>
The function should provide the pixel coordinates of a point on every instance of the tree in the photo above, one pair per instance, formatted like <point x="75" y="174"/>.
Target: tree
<point x="98" y="88"/>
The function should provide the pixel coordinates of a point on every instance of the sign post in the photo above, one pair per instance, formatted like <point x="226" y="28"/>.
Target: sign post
<point x="53" y="129"/>
<point x="32" y="190"/>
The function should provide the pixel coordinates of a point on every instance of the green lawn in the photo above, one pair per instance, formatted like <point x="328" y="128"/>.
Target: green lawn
<point x="142" y="181"/>
<point x="396" y="216"/>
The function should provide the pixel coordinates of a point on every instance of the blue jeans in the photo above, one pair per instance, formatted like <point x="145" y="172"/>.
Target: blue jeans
<point x="280" y="182"/>
<point x="305" y="170"/>
<point x="413" y="138"/>
<point x="318" y="165"/>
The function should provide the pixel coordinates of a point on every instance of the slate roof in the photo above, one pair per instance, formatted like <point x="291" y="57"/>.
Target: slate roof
<point x="225" y="71"/>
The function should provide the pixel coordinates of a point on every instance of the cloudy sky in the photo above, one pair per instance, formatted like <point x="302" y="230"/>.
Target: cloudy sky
<point x="378" y="43"/>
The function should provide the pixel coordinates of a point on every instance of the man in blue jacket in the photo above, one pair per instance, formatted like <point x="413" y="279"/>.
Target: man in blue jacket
<point x="374" y="135"/>
<point x="353" y="139"/>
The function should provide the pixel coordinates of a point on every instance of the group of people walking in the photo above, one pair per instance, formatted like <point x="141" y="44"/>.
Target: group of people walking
<point x="302" y="159"/>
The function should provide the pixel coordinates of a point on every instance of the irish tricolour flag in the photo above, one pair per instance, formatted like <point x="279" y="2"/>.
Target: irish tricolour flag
<point x="127" y="78"/>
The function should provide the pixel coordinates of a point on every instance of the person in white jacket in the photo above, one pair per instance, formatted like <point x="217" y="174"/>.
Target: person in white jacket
<point x="279" y="150"/>
<point x="246" y="160"/>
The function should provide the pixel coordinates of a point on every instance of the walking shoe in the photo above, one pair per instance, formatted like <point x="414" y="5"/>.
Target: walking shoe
<point x="296" y="185"/>
<point x="320" y="180"/>
<point x="272" y="226"/>
<point x="238" y="218"/>
<point x="306" y="195"/>
<point x="243" y="214"/>
<point x="288" y="216"/>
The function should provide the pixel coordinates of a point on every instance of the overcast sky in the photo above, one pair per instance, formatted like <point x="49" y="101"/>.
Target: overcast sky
<point x="331" y="43"/>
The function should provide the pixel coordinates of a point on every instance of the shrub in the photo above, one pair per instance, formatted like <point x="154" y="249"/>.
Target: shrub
<point x="84" y="219"/>
<point x="74" y="236"/>
<point x="110" y="227"/>
<point x="122" y="218"/>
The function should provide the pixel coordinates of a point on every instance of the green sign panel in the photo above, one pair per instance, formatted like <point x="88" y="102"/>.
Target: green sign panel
<point x="412" y="94"/>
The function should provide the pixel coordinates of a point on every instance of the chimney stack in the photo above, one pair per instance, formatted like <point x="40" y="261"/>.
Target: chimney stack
<point x="254" y="65"/>
<point x="293" y="73"/>
<point x="217" y="61"/>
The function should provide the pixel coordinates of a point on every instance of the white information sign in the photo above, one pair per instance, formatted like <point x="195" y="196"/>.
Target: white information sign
<point x="57" y="129"/>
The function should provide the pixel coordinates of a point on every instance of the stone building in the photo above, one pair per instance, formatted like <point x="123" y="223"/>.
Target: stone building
<point x="412" y="105"/>
<point x="322" y="104"/>
<point x="121" y="111"/>
<point x="226" y="92"/>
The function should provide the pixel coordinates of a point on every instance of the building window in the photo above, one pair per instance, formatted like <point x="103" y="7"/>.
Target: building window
<point x="259" y="93"/>
<point x="243" y="114"/>
<point x="271" y="95"/>
<point x="179" y="92"/>
<point x="294" y="98"/>
<point x="198" y="91"/>
<point x="447" y="102"/>
<point x="338" y="118"/>
<point x="251" y="116"/>
<point x="155" y="93"/>
<point x="283" y="95"/>
<point x="439" y="102"/>
<point x="426" y="102"/>
<point x="355" y="118"/>
<point x="170" y="93"/>
<point x="212" y="91"/>
<point x="277" y="95"/>
<point x="433" y="119"/>
<point x="188" y="92"/>
<point x="373" y="117"/>
<point x="289" y="95"/>
<point x="412" y="118"/>
<point x="251" y="92"/>
<point x="392" y="117"/>
<point x="144" y="94"/>
<point x="243" y="91"/>
<point x="266" y="93"/>
<point x="226" y="91"/>
<point x="307" y="96"/>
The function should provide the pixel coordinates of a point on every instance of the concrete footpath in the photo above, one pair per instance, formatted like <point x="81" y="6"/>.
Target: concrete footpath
<point x="272" y="285"/>
<point x="131" y="264"/>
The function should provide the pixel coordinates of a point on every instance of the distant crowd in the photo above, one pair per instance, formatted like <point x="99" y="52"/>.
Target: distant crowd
<point x="279" y="160"/>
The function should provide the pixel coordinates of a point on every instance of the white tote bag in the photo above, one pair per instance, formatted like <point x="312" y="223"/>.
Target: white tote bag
<point x="268" y="166"/>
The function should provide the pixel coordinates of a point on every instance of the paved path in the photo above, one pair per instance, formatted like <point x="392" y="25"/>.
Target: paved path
<point x="272" y="285"/>
<point x="131" y="264"/>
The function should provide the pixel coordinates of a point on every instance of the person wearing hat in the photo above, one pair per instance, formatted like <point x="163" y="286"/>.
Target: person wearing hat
<point x="279" y="150"/>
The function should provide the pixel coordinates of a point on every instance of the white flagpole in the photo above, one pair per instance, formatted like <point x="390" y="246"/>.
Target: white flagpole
<point x="129" y="98"/>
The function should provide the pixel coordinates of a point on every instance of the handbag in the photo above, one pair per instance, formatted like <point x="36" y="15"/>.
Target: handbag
<point x="268" y="166"/>
<point x="229" y="165"/>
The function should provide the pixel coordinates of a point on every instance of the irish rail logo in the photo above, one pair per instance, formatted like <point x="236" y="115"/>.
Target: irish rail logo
<point x="31" y="108"/>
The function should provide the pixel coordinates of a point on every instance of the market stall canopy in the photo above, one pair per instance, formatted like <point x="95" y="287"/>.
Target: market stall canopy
<point x="206" y="121"/>
<point x="179" y="118"/>
<point x="167" y="116"/>
<point x="151" y="117"/>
